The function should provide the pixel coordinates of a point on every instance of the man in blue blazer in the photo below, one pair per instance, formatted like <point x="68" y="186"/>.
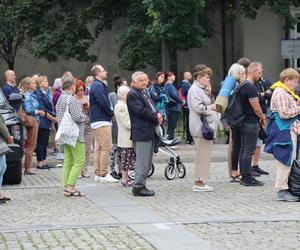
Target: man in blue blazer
<point x="144" y="118"/>
<point x="101" y="113"/>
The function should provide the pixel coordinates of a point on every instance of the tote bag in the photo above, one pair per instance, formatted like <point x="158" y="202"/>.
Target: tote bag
<point x="68" y="130"/>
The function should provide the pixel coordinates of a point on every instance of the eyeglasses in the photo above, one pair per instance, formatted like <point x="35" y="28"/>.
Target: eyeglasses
<point x="80" y="90"/>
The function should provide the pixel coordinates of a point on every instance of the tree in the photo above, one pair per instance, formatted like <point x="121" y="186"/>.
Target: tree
<point x="45" y="28"/>
<point x="157" y="29"/>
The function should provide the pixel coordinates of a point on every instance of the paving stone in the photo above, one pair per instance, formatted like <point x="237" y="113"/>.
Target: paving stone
<point x="48" y="207"/>
<point x="281" y="235"/>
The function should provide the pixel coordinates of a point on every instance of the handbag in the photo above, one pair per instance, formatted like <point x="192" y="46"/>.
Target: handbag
<point x="207" y="131"/>
<point x="4" y="149"/>
<point x="27" y="120"/>
<point x="172" y="102"/>
<point x="294" y="178"/>
<point x="262" y="134"/>
<point x="68" y="131"/>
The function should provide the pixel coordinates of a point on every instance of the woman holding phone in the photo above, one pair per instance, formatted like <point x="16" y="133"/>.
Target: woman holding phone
<point x="88" y="132"/>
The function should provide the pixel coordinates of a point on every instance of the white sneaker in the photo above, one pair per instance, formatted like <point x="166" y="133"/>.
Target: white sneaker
<point x="97" y="178"/>
<point x="204" y="188"/>
<point x="175" y="147"/>
<point x="108" y="178"/>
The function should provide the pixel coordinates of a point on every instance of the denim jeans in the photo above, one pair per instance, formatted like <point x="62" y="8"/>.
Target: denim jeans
<point x="2" y="168"/>
<point x="244" y="140"/>
<point x="42" y="144"/>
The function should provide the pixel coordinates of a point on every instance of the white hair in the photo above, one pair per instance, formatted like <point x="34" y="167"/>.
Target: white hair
<point x="95" y="69"/>
<point x="123" y="91"/>
<point x="136" y="75"/>
<point x="235" y="70"/>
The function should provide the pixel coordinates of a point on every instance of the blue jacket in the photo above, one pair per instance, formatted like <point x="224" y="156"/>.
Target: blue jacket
<point x="143" y="119"/>
<point x="171" y="90"/>
<point x="8" y="90"/>
<point x="155" y="92"/>
<point x="31" y="104"/>
<point x="46" y="104"/>
<point x="100" y="106"/>
<point x="279" y="141"/>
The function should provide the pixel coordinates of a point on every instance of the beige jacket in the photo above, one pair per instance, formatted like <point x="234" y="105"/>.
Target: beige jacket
<point x="198" y="102"/>
<point x="124" y="126"/>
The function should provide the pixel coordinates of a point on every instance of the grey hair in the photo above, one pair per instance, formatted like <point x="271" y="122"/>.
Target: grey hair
<point x="122" y="91"/>
<point x="95" y="69"/>
<point x="137" y="74"/>
<point x="67" y="81"/>
<point x="235" y="70"/>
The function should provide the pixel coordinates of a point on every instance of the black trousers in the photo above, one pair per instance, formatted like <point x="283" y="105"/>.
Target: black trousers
<point x="189" y="138"/>
<point x="172" y="122"/>
<point x="42" y="144"/>
<point x="244" y="139"/>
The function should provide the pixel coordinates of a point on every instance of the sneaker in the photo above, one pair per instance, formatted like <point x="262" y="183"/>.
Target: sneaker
<point x="254" y="173"/>
<point x="258" y="170"/>
<point x="251" y="182"/>
<point x="108" y="178"/>
<point x="205" y="188"/>
<point x="175" y="147"/>
<point x="115" y="175"/>
<point x="96" y="178"/>
<point x="285" y="195"/>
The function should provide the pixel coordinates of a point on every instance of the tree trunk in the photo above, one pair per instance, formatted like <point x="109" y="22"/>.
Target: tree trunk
<point x="165" y="55"/>
<point x="11" y="63"/>
<point x="173" y="61"/>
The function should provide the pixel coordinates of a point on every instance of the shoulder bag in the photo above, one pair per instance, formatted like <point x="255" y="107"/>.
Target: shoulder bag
<point x="68" y="131"/>
<point x="207" y="131"/>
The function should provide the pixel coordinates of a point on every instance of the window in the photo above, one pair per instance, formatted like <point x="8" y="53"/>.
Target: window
<point x="295" y="34"/>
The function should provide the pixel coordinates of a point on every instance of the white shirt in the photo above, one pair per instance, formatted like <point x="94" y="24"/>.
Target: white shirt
<point x="96" y="125"/>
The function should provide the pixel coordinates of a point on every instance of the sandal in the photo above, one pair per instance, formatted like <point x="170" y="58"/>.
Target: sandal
<point x="75" y="193"/>
<point x="235" y="178"/>
<point x="5" y="199"/>
<point x="127" y="184"/>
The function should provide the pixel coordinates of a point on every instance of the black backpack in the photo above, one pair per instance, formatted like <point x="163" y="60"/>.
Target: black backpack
<point x="234" y="114"/>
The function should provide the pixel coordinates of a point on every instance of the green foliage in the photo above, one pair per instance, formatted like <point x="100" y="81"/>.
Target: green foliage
<point x="281" y="8"/>
<point x="138" y="47"/>
<point x="46" y="28"/>
<point x="177" y="22"/>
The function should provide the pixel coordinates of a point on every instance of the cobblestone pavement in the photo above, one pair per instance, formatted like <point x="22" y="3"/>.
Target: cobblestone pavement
<point x="230" y="201"/>
<point x="231" y="217"/>
<point x="79" y="238"/>
<point x="248" y="236"/>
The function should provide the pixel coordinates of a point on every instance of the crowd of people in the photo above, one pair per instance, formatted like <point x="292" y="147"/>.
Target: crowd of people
<point x="121" y="126"/>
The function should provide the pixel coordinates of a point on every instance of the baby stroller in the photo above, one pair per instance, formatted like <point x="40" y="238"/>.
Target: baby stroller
<point x="175" y="167"/>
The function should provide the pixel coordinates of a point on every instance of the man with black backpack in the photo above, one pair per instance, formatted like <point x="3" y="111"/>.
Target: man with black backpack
<point x="245" y="131"/>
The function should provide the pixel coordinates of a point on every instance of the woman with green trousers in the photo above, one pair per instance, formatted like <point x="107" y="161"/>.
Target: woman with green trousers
<point x="74" y="157"/>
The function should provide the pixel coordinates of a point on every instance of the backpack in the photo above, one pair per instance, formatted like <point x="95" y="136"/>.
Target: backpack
<point x="234" y="113"/>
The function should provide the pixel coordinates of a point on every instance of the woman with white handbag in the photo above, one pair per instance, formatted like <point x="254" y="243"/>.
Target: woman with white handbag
<point x="70" y="133"/>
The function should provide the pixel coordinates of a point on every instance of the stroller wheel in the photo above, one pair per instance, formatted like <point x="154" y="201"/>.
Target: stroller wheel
<point x="131" y="174"/>
<point x="151" y="170"/>
<point x="170" y="172"/>
<point x="181" y="170"/>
